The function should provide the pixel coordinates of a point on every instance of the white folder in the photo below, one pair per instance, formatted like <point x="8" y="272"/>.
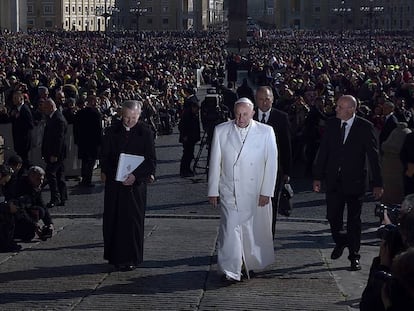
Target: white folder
<point x="127" y="163"/>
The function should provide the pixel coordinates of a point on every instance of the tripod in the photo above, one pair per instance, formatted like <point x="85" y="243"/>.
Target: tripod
<point x="203" y="143"/>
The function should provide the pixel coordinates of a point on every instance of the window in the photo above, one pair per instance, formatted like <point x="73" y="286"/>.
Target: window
<point x="48" y="9"/>
<point x="165" y="21"/>
<point x="66" y="9"/>
<point x="30" y="22"/>
<point x="66" y="23"/>
<point x="73" y="9"/>
<point x="165" y="9"/>
<point x="149" y="21"/>
<point x="48" y="24"/>
<point x="30" y="9"/>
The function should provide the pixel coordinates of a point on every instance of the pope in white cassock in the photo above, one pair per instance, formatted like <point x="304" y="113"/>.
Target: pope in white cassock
<point x="242" y="173"/>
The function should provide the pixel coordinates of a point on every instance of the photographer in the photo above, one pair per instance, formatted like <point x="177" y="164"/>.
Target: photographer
<point x="7" y="209"/>
<point x="398" y="289"/>
<point x="27" y="196"/>
<point x="395" y="239"/>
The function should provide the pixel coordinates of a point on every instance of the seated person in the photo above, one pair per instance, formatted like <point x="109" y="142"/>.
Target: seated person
<point x="396" y="240"/>
<point x="27" y="195"/>
<point x="7" y="209"/>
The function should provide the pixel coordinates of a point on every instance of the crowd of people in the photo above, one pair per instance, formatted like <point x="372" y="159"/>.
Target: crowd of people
<point x="61" y="78"/>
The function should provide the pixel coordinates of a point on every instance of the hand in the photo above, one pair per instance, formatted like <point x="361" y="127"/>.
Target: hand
<point x="103" y="177"/>
<point x="151" y="179"/>
<point x="130" y="180"/>
<point x="286" y="179"/>
<point x="317" y="185"/>
<point x="53" y="159"/>
<point x="377" y="192"/>
<point x="213" y="201"/>
<point x="263" y="200"/>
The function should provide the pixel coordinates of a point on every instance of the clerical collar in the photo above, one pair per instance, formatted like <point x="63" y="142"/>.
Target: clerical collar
<point x="126" y="128"/>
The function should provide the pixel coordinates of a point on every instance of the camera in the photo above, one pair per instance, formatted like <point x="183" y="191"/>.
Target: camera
<point x="393" y="212"/>
<point x="213" y="111"/>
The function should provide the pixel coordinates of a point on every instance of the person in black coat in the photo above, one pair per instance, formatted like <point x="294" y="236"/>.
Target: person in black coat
<point x="390" y="122"/>
<point x="22" y="126"/>
<point x="279" y="120"/>
<point x="407" y="159"/>
<point x="54" y="151"/>
<point x="347" y="142"/>
<point x="125" y="202"/>
<point x="189" y="127"/>
<point x="87" y="132"/>
<point x="244" y="90"/>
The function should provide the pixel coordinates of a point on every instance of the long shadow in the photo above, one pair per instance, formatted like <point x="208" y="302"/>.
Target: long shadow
<point x="313" y="203"/>
<point x="79" y="247"/>
<point x="55" y="272"/>
<point x="190" y="261"/>
<point x="145" y="285"/>
<point x="174" y="205"/>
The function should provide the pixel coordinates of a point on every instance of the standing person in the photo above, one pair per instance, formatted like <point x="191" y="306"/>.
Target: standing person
<point x="87" y="132"/>
<point x="189" y="127"/>
<point x="22" y="126"/>
<point x="390" y="121"/>
<point x="279" y="120"/>
<point x="407" y="160"/>
<point x="347" y="142"/>
<point x="54" y="151"/>
<point x="124" y="202"/>
<point x="242" y="174"/>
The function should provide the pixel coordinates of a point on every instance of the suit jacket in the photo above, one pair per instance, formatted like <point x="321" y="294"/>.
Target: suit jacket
<point x="22" y="125"/>
<point x="389" y="125"/>
<point x="87" y="132"/>
<point x="279" y="120"/>
<point x="348" y="161"/>
<point x="54" y="137"/>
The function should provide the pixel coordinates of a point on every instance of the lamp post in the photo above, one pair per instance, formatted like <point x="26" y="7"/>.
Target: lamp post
<point x="342" y="11"/>
<point x="370" y="11"/>
<point x="138" y="11"/>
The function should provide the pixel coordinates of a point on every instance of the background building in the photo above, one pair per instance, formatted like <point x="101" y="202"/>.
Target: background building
<point x="13" y="15"/>
<point x="389" y="15"/>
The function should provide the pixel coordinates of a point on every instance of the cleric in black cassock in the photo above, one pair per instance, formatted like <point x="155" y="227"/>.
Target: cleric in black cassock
<point x="124" y="202"/>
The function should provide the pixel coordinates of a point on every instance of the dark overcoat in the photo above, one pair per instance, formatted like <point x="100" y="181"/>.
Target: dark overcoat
<point x="124" y="206"/>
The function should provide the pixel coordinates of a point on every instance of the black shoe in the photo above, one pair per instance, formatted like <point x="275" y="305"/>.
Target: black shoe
<point x="187" y="174"/>
<point x="125" y="268"/>
<point x="338" y="251"/>
<point x="12" y="248"/>
<point x="46" y="233"/>
<point x="355" y="265"/>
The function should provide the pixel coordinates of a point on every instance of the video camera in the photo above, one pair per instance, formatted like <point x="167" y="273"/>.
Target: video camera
<point x="213" y="111"/>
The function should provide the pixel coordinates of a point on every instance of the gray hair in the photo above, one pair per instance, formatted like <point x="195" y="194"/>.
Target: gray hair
<point x="132" y="104"/>
<point x="36" y="170"/>
<point x="408" y="202"/>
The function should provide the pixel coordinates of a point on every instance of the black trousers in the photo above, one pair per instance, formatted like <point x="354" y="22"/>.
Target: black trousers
<point x="87" y="169"/>
<point x="275" y="203"/>
<point x="188" y="156"/>
<point x="335" y="202"/>
<point x="56" y="180"/>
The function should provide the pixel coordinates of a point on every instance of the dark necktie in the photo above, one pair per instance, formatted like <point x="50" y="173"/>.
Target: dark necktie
<point x="343" y="127"/>
<point x="263" y="120"/>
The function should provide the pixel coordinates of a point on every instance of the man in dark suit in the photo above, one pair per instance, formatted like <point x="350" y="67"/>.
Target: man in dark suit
<point x="347" y="142"/>
<point x="87" y="134"/>
<point x="390" y="122"/>
<point x="22" y="126"/>
<point x="54" y="151"/>
<point x="279" y="120"/>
